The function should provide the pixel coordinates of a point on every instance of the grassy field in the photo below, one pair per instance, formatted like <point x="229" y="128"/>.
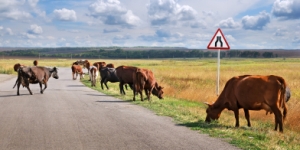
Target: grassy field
<point x="190" y="82"/>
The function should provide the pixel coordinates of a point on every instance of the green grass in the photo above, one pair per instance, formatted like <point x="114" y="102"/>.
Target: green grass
<point x="192" y="115"/>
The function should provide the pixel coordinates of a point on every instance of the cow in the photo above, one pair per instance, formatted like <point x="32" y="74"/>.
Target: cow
<point x="17" y="66"/>
<point x="110" y="65"/>
<point x="33" y="75"/>
<point x="93" y="75"/>
<point x="251" y="92"/>
<point x="146" y="81"/>
<point x="108" y="74"/>
<point x="99" y="64"/>
<point x="126" y="75"/>
<point x="35" y="63"/>
<point x="76" y="69"/>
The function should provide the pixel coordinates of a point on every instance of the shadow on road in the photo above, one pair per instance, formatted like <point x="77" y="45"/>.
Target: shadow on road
<point x="114" y="101"/>
<point x="203" y="124"/>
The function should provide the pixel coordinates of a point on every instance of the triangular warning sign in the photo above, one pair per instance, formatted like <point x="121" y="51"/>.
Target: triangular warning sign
<point x="218" y="41"/>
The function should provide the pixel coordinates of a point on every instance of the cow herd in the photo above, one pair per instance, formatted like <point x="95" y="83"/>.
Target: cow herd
<point x="249" y="92"/>
<point x="138" y="79"/>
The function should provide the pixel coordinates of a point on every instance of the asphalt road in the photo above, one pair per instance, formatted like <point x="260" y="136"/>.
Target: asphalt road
<point x="71" y="116"/>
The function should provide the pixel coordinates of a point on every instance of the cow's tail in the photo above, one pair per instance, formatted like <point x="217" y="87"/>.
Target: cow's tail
<point x="282" y="95"/>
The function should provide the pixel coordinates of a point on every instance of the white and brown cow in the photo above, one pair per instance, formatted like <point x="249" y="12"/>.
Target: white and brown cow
<point x="93" y="75"/>
<point x="76" y="69"/>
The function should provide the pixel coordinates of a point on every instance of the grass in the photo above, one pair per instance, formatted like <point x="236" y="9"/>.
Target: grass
<point x="190" y="82"/>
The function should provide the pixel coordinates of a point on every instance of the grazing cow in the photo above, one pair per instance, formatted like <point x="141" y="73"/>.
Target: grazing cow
<point x="35" y="62"/>
<point x="17" y="66"/>
<point x="76" y="69"/>
<point x="145" y="81"/>
<point x="251" y="93"/>
<point x="125" y="75"/>
<point x="93" y="75"/>
<point x="108" y="74"/>
<point x="33" y="75"/>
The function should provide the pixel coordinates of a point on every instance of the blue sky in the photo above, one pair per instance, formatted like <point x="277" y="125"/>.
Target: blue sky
<point x="246" y="24"/>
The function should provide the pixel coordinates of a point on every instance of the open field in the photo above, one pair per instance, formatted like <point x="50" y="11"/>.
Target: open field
<point x="189" y="82"/>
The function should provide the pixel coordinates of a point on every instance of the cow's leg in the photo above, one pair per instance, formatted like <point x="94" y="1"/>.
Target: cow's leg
<point x="278" y="119"/>
<point x="105" y="83"/>
<point x="18" y="87"/>
<point x="41" y="87"/>
<point x="236" y="115"/>
<point x="73" y="75"/>
<point x="102" y="81"/>
<point x="29" y="90"/>
<point x="247" y="116"/>
<point x="284" y="111"/>
<point x="121" y="88"/>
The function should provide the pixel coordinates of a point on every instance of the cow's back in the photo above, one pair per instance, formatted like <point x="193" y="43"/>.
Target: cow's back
<point x="260" y="92"/>
<point x="126" y="73"/>
<point x="76" y="68"/>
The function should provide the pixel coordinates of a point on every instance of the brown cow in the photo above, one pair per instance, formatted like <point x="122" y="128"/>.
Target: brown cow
<point x="110" y="65"/>
<point x="17" y="66"/>
<point x="99" y="65"/>
<point x="93" y="75"/>
<point x="251" y="93"/>
<point x="76" y="69"/>
<point x="146" y="81"/>
<point x="35" y="62"/>
<point x="33" y="75"/>
<point x="125" y="75"/>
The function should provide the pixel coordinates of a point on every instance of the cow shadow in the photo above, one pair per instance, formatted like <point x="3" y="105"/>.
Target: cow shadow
<point x="75" y="85"/>
<point x="204" y="125"/>
<point x="114" y="101"/>
<point x="100" y="95"/>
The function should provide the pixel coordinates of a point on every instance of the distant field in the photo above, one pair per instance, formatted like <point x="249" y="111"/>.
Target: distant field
<point x="194" y="80"/>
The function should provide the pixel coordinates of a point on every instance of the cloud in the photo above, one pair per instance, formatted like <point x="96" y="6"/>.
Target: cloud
<point x="296" y="40"/>
<point x="120" y="39"/>
<point x="9" y="31"/>
<point x="35" y="29"/>
<point x="111" y="12"/>
<point x="9" y="10"/>
<point x="65" y="14"/>
<point x="110" y="30"/>
<point x="198" y="24"/>
<point x="33" y="3"/>
<point x="162" y="35"/>
<point x="286" y="9"/>
<point x="228" y="23"/>
<point x="256" y="22"/>
<point x="280" y="32"/>
<point x="163" y="12"/>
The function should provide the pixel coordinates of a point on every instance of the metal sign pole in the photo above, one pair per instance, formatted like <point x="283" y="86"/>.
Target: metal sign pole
<point x="218" y="73"/>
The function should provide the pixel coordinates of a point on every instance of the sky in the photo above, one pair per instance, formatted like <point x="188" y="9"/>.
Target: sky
<point x="246" y="24"/>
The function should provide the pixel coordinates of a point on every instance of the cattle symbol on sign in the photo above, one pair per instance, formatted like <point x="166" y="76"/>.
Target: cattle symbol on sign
<point x="218" y="41"/>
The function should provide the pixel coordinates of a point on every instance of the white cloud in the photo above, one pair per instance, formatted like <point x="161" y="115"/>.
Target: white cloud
<point x="33" y="3"/>
<point x="35" y="29"/>
<point x="163" y="12"/>
<point x="65" y="14"/>
<point x="198" y="24"/>
<point x="9" y="10"/>
<point x="111" y="12"/>
<point x="256" y="22"/>
<point x="228" y="23"/>
<point x="280" y="32"/>
<point x="9" y="31"/>
<point x="287" y="9"/>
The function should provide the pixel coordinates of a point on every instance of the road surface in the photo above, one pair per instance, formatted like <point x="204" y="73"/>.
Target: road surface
<point x="71" y="116"/>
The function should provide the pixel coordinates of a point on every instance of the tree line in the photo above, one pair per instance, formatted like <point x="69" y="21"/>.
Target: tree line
<point x="134" y="54"/>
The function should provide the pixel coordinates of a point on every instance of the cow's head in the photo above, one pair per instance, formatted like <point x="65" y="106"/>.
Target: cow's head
<point x="54" y="73"/>
<point x="212" y="113"/>
<point x="157" y="91"/>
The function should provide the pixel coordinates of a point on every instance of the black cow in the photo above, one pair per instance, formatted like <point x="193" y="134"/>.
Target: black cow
<point x="108" y="74"/>
<point x="35" y="75"/>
